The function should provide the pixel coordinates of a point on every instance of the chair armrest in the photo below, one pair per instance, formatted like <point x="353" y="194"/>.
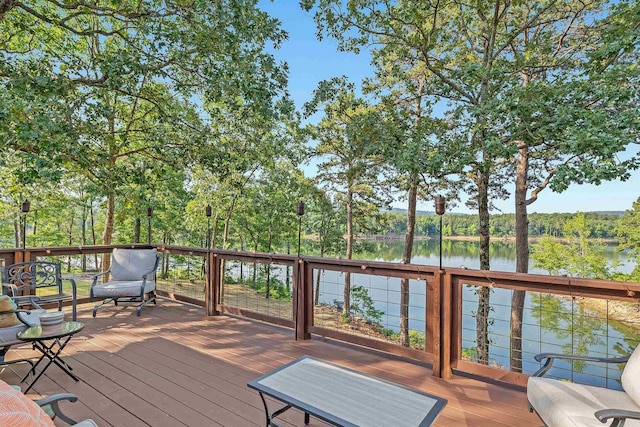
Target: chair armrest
<point x="54" y="400"/>
<point x="10" y="286"/>
<point x="16" y="311"/>
<point x="73" y="288"/>
<point x="73" y="284"/>
<point x="618" y="415"/>
<point x="95" y="277"/>
<point x="550" y="357"/>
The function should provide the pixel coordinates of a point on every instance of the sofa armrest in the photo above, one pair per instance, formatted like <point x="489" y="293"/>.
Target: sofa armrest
<point x="54" y="401"/>
<point x="618" y="415"/>
<point x="550" y="357"/>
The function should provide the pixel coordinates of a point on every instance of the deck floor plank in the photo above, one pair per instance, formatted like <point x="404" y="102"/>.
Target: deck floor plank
<point x="173" y="366"/>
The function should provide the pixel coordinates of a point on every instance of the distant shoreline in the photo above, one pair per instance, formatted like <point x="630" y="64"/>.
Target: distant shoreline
<point x="504" y="239"/>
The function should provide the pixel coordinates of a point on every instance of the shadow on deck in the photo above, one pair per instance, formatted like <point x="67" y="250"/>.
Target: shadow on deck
<point x="174" y="366"/>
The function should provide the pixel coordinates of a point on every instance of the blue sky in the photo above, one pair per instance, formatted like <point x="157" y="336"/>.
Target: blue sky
<point x="311" y="61"/>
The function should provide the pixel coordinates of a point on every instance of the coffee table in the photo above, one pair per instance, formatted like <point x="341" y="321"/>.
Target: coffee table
<point x="344" y="397"/>
<point x="50" y="341"/>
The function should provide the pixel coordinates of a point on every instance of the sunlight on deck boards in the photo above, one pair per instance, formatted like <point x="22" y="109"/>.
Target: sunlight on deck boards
<point x="173" y="366"/>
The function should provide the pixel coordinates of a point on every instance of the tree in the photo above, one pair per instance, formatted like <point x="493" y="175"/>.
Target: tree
<point x="344" y="136"/>
<point x="578" y="257"/>
<point x="125" y="76"/>
<point x="629" y="233"/>
<point x="490" y="58"/>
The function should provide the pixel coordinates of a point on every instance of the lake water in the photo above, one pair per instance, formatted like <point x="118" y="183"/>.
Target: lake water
<point x="550" y="324"/>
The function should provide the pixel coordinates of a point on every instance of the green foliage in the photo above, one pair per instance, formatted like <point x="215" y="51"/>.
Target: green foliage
<point x="600" y="225"/>
<point x="629" y="233"/>
<point x="577" y="256"/>
<point x="362" y="304"/>
<point x="417" y="339"/>
<point x="470" y="353"/>
<point x="277" y="288"/>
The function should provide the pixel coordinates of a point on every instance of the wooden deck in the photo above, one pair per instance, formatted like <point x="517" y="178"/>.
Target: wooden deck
<point x="174" y="366"/>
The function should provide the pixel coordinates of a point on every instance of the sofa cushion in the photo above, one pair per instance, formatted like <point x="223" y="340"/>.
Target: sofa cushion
<point x="131" y="264"/>
<point x="560" y="403"/>
<point x="630" y="376"/>
<point x="8" y="319"/>
<point x="17" y="410"/>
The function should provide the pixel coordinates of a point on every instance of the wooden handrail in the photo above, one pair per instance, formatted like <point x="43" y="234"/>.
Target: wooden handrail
<point x="443" y="291"/>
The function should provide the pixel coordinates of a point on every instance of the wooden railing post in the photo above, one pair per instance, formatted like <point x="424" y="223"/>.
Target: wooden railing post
<point x="212" y="285"/>
<point x="434" y="306"/>
<point x="446" y="317"/>
<point x="301" y="297"/>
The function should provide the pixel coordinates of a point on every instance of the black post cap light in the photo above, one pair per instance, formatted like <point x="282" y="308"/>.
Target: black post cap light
<point x="149" y="211"/>
<point x="440" y="205"/>
<point x="208" y="210"/>
<point x="26" y="206"/>
<point x="300" y="208"/>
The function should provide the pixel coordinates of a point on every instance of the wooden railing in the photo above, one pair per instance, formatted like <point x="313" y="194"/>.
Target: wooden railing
<point x="442" y="303"/>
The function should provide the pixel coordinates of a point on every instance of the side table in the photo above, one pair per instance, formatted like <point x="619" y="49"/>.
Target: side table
<point x="59" y="336"/>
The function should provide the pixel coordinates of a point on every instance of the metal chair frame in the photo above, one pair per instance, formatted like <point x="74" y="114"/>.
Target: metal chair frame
<point x="129" y="298"/>
<point x="24" y="279"/>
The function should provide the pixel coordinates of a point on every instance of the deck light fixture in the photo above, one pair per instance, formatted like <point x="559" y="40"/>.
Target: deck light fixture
<point x="440" y="208"/>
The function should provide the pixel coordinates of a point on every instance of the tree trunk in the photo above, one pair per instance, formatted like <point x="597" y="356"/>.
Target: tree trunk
<point x="484" y="293"/>
<point x="316" y="297"/>
<point x="268" y="266"/>
<point x="107" y="234"/>
<point x="522" y="255"/>
<point x="406" y="258"/>
<point x="136" y="231"/>
<point x="93" y="234"/>
<point x="346" y="308"/>
<point x="17" y="233"/>
<point x="70" y="240"/>
<point x="84" y="235"/>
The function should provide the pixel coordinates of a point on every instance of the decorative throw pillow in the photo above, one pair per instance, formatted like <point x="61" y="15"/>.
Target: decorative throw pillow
<point x="8" y="319"/>
<point x="17" y="410"/>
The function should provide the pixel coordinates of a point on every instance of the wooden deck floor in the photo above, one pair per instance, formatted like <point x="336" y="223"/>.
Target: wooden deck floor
<point x="174" y="366"/>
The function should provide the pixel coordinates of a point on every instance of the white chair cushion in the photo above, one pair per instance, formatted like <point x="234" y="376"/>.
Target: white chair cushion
<point x="631" y="376"/>
<point x="125" y="288"/>
<point x="565" y="404"/>
<point x="131" y="264"/>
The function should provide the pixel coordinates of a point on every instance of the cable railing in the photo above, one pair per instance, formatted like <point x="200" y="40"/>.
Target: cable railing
<point x="413" y="311"/>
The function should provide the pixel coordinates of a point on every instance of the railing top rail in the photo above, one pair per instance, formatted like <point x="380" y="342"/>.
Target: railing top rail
<point x="559" y="285"/>
<point x="533" y="282"/>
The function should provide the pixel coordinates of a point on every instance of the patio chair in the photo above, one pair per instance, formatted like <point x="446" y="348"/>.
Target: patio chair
<point x="39" y="282"/>
<point x="562" y="403"/>
<point x="132" y="278"/>
<point x="12" y="321"/>
<point x="16" y="409"/>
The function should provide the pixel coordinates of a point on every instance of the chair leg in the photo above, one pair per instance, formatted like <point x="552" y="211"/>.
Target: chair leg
<point x="32" y="369"/>
<point x="106" y="301"/>
<point x="145" y="302"/>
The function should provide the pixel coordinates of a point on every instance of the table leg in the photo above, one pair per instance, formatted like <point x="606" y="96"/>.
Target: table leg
<point x="53" y="356"/>
<point x="270" y="422"/>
